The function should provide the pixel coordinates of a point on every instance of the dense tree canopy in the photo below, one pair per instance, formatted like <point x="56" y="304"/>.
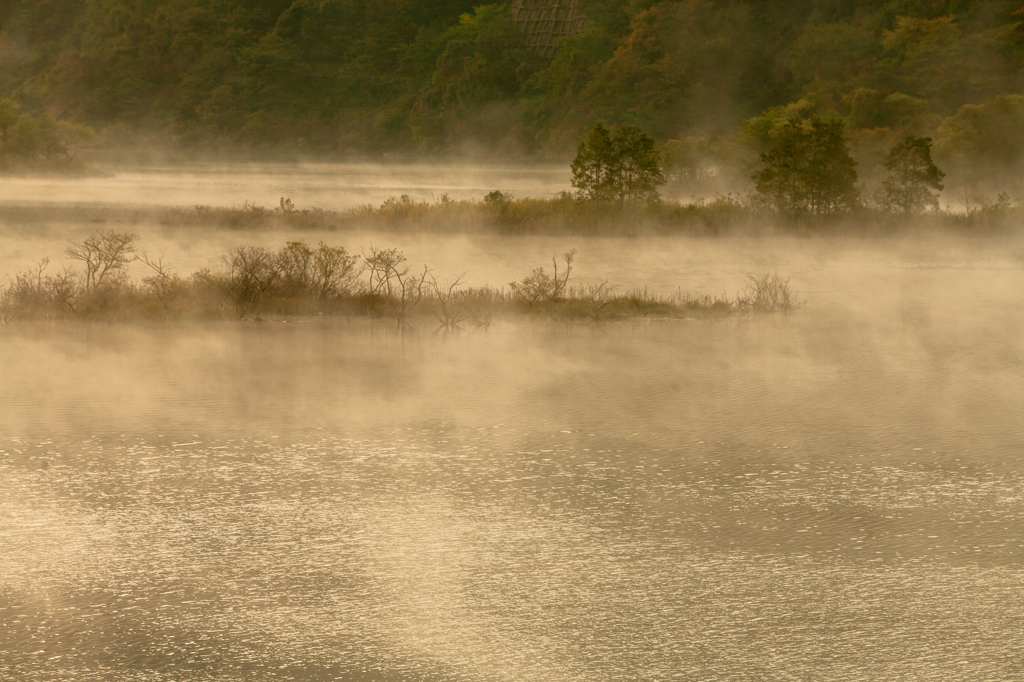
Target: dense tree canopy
<point x="808" y="170"/>
<point x="445" y="75"/>
<point x="913" y="177"/>
<point x="621" y="166"/>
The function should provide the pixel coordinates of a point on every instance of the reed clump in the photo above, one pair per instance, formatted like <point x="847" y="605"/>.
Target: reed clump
<point x="298" y="279"/>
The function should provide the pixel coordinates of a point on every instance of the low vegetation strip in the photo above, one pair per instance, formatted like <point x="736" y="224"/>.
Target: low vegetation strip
<point x="298" y="279"/>
<point x="501" y="213"/>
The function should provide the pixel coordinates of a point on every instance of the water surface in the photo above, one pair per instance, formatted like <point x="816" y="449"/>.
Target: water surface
<point x="835" y="495"/>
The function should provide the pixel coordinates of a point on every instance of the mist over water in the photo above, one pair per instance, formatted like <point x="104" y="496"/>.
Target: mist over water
<point x="834" y="495"/>
<point x="329" y="186"/>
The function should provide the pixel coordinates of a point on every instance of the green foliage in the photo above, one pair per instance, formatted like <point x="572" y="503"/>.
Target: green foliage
<point x="941" y="60"/>
<point x="624" y="166"/>
<point x="990" y="134"/>
<point x="484" y="60"/>
<point x="443" y="75"/>
<point x="912" y="177"/>
<point x="637" y="168"/>
<point x="592" y="169"/>
<point x="761" y="132"/>
<point x="828" y="61"/>
<point x="808" y="170"/>
<point x="29" y="140"/>
<point x="871" y="108"/>
<point x="556" y="111"/>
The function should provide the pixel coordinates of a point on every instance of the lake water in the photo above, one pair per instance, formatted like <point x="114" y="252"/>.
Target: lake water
<point x="328" y="186"/>
<point x="834" y="495"/>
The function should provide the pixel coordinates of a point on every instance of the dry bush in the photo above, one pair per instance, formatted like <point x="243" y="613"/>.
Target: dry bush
<point x="208" y="293"/>
<point x="29" y="295"/>
<point x="391" y="284"/>
<point x="106" y="256"/>
<point x="768" y="293"/>
<point x="449" y="310"/>
<point x="252" y="271"/>
<point x="333" y="272"/>
<point x="539" y="286"/>
<point x="298" y="277"/>
<point x="322" y="273"/>
<point x="164" y="284"/>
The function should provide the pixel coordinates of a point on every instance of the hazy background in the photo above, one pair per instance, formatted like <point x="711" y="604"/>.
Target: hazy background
<point x="331" y="186"/>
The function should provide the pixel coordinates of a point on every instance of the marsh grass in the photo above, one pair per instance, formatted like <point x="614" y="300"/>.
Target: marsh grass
<point x="564" y="214"/>
<point x="255" y="283"/>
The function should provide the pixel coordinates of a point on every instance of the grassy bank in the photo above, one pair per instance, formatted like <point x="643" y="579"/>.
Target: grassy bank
<point x="500" y="213"/>
<point x="256" y="283"/>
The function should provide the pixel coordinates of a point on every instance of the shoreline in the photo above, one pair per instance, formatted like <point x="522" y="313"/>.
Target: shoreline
<point x="501" y="214"/>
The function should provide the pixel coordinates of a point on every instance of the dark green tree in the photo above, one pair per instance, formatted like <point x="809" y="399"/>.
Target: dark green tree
<point x="808" y="170"/>
<point x="636" y="167"/>
<point x="10" y="112"/>
<point x="624" y="166"/>
<point x="912" y="177"/>
<point x="592" y="168"/>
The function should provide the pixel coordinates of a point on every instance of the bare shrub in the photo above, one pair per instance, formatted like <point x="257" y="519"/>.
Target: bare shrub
<point x="35" y="295"/>
<point x="28" y="295"/>
<point x="288" y="280"/>
<point x="451" y="312"/>
<point x="391" y="280"/>
<point x="295" y="262"/>
<point x="980" y="208"/>
<point x="285" y="207"/>
<point x="768" y="293"/>
<point x="65" y="288"/>
<point x="540" y="286"/>
<point x="209" y="290"/>
<point x="537" y="286"/>
<point x="385" y="268"/>
<point x="163" y="283"/>
<point x="253" y="270"/>
<point x="106" y="256"/>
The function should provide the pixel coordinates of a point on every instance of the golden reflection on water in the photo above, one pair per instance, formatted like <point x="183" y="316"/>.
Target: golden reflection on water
<point x="333" y="500"/>
<point x="836" y="495"/>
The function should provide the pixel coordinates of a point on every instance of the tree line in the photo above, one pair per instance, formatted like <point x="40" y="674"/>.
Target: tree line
<point x="373" y="76"/>
<point x="806" y="171"/>
<point x="38" y="139"/>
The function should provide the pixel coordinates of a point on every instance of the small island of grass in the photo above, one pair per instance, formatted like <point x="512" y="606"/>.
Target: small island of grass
<point x="256" y="283"/>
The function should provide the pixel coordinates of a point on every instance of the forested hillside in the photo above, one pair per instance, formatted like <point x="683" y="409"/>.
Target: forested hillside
<point x="372" y="76"/>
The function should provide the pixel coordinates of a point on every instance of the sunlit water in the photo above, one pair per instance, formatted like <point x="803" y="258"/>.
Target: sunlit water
<point x="836" y="495"/>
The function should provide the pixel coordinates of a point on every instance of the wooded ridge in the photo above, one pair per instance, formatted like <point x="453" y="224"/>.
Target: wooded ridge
<point x="452" y="76"/>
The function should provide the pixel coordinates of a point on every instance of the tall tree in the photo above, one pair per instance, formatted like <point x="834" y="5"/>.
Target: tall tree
<point x="912" y="177"/>
<point x="808" y="169"/>
<point x="621" y="166"/>
<point x="636" y="166"/>
<point x="593" y="166"/>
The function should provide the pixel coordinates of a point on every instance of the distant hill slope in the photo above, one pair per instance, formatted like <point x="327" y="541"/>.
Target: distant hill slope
<point x="445" y="75"/>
